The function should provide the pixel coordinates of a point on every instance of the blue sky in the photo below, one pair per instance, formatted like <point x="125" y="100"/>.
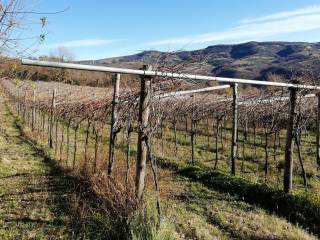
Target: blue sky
<point x="101" y="28"/>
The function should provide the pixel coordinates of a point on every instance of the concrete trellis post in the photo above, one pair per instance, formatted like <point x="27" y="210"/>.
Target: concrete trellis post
<point x="234" y="128"/>
<point x="114" y="120"/>
<point x="143" y="121"/>
<point x="288" y="162"/>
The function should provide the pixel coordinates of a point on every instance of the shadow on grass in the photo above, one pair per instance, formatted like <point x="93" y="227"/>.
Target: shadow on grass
<point x="75" y="204"/>
<point x="88" y="218"/>
<point x="296" y="209"/>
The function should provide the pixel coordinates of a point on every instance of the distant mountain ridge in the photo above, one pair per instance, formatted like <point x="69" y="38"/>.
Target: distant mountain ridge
<point x="253" y="60"/>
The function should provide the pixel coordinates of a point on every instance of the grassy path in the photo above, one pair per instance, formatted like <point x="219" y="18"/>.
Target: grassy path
<point x="203" y="213"/>
<point x="32" y="196"/>
<point x="201" y="210"/>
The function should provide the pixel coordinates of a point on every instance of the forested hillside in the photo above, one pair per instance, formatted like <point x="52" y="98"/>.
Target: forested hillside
<point x="252" y="60"/>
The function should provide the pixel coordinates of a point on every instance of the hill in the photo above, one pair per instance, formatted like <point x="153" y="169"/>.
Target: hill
<point x="253" y="60"/>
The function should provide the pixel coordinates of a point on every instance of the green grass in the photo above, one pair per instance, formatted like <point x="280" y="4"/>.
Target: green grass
<point x="29" y="192"/>
<point x="295" y="208"/>
<point x="224" y="216"/>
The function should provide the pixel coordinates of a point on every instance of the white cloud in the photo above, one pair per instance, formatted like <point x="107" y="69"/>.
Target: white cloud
<point x="80" y="43"/>
<point x="287" y="14"/>
<point x="284" y="22"/>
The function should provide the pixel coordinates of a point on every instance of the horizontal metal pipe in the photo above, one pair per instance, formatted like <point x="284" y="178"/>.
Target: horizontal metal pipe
<point x="186" y="92"/>
<point x="163" y="74"/>
<point x="271" y="100"/>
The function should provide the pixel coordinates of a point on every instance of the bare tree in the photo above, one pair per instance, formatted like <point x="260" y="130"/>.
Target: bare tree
<point x="62" y="54"/>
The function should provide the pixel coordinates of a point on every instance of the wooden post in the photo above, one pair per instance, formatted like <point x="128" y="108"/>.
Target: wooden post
<point x="43" y="122"/>
<point x="68" y="141"/>
<point x="143" y="120"/>
<point x="193" y="126"/>
<point x="318" y="131"/>
<point x="186" y="127"/>
<point x="208" y="137"/>
<point x="96" y="146"/>
<point x="114" y="120"/>
<point x="266" y="145"/>
<point x="195" y="132"/>
<point x="38" y="122"/>
<point x="75" y="145"/>
<point x="246" y="127"/>
<point x="33" y="121"/>
<point x="162" y="135"/>
<point x="222" y="129"/>
<point x="254" y="138"/>
<point x="56" y="136"/>
<point x="61" y="142"/>
<point x="297" y="140"/>
<point x="234" y="128"/>
<point x="18" y="101"/>
<point x="48" y="118"/>
<point x="288" y="162"/>
<point x="53" y="105"/>
<point x="175" y="136"/>
<point x="216" y="141"/>
<point x="86" y="144"/>
<point x="24" y="105"/>
<point x="128" y="154"/>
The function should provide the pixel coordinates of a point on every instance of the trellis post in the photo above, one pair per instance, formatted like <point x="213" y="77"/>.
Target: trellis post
<point x="18" y="101"/>
<point x="53" y="105"/>
<point x="288" y="162"/>
<point x="24" y="105"/>
<point x="33" y="121"/>
<point x="318" y="131"/>
<point x="234" y="128"/>
<point x="143" y="120"/>
<point x="114" y="120"/>
<point x="193" y="126"/>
